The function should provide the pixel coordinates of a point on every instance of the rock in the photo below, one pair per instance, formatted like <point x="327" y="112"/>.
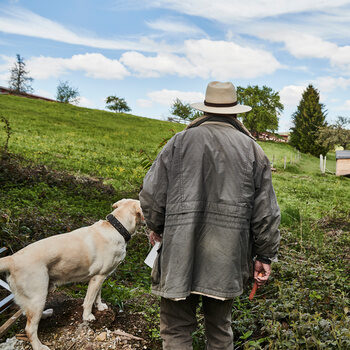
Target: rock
<point x="102" y="336"/>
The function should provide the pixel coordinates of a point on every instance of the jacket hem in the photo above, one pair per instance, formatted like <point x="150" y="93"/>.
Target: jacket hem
<point x="181" y="295"/>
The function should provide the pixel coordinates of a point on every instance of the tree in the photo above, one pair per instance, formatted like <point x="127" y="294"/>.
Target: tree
<point x="308" y="119"/>
<point x="335" y="134"/>
<point x="67" y="94"/>
<point x="117" y="104"/>
<point x="19" y="79"/>
<point x="183" y="112"/>
<point x="266" y="107"/>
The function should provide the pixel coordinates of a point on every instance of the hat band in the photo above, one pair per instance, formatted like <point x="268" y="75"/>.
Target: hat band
<point x="210" y="104"/>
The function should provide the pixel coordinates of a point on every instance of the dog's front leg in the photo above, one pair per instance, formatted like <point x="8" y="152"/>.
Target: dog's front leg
<point x="95" y="285"/>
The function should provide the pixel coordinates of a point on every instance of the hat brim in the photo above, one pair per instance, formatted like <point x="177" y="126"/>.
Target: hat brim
<point x="221" y="110"/>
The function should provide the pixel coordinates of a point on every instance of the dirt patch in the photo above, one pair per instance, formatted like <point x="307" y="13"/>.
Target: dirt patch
<point x="18" y="170"/>
<point x="65" y="330"/>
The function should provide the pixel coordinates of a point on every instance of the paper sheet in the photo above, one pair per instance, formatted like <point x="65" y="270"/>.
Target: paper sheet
<point x="152" y="255"/>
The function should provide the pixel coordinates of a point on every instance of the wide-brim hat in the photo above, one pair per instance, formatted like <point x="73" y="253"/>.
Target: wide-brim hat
<point x="221" y="98"/>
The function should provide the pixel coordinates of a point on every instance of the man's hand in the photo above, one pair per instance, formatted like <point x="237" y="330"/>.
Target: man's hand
<point x="154" y="237"/>
<point x="265" y="269"/>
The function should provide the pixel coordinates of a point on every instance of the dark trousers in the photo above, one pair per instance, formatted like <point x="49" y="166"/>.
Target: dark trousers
<point x="178" y="321"/>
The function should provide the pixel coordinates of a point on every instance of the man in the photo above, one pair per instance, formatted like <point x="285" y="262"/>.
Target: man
<point x="209" y="199"/>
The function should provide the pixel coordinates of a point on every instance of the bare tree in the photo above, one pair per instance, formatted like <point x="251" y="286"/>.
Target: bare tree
<point x="19" y="79"/>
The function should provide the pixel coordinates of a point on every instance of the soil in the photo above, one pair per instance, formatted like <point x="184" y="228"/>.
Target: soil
<point x="65" y="330"/>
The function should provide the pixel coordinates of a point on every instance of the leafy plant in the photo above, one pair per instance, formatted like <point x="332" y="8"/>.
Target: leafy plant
<point x="66" y="93"/>
<point x="8" y="132"/>
<point x="183" y="112"/>
<point x="117" y="104"/>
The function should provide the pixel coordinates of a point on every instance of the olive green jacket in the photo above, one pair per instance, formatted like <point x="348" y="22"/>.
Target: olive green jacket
<point x="209" y="193"/>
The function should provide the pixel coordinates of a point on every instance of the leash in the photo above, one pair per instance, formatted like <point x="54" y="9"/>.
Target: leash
<point x="119" y="227"/>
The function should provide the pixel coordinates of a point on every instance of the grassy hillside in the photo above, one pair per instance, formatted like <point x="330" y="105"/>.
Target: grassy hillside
<point x="83" y="140"/>
<point x="74" y="162"/>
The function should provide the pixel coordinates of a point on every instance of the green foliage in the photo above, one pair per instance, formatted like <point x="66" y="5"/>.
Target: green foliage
<point x="117" y="104"/>
<point x="183" y="112"/>
<point x="19" y="79"/>
<point x="8" y="133"/>
<point x="335" y="134"/>
<point x="84" y="141"/>
<point x="66" y="93"/>
<point x="308" y="119"/>
<point x="266" y="107"/>
<point x="305" y="305"/>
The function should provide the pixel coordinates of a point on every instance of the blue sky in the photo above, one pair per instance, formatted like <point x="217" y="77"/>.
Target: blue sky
<point x="151" y="52"/>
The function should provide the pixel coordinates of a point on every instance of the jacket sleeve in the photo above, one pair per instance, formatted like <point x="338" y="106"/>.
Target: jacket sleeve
<point x="266" y="214"/>
<point x="153" y="195"/>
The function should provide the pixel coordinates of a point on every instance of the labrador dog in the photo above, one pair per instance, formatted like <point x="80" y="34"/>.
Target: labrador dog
<point x="87" y="254"/>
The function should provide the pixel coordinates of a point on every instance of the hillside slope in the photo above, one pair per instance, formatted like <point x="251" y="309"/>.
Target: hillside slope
<point x="305" y="304"/>
<point x="83" y="140"/>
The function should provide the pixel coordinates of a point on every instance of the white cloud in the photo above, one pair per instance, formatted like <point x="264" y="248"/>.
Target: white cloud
<point x="206" y="59"/>
<point x="17" y="20"/>
<point x="155" y="66"/>
<point x="173" y="26"/>
<point x="327" y="84"/>
<point x="143" y="103"/>
<point x="291" y="95"/>
<point x="227" y="60"/>
<point x="345" y="106"/>
<point x="167" y="97"/>
<point x="85" y="102"/>
<point x="227" y="11"/>
<point x="94" y="65"/>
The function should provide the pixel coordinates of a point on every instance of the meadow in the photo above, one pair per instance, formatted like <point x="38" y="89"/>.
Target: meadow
<point x="66" y="165"/>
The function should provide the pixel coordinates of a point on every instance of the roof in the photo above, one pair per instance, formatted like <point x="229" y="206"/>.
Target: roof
<point x="25" y="94"/>
<point x="342" y="154"/>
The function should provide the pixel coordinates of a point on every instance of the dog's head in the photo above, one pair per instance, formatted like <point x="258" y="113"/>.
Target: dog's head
<point x="130" y="211"/>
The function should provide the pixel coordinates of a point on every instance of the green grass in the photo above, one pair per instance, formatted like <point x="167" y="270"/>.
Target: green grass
<point x="82" y="140"/>
<point x="304" y="306"/>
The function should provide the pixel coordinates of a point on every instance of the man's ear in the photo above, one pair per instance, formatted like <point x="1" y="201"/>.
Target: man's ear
<point x="116" y="204"/>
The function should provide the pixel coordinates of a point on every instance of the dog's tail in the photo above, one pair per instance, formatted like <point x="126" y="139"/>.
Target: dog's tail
<point x="5" y="264"/>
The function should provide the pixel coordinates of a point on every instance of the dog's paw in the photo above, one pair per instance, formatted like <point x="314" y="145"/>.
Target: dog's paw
<point x="44" y="347"/>
<point x="102" y="307"/>
<point x="89" y="318"/>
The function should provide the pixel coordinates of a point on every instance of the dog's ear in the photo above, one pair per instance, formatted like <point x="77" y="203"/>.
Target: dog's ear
<point x="116" y="204"/>
<point x="139" y="214"/>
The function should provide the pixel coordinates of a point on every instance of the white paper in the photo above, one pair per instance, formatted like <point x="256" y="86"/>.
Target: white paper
<point x="152" y="255"/>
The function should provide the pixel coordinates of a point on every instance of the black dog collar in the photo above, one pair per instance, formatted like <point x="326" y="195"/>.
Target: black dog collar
<point x="119" y="227"/>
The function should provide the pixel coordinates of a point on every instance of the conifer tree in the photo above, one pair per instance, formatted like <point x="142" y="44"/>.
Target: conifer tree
<point x="19" y="79"/>
<point x="308" y="119"/>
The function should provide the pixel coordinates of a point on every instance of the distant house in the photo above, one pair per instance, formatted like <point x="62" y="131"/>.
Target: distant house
<point x="284" y="135"/>
<point x="268" y="136"/>
<point x="7" y="91"/>
<point x="343" y="163"/>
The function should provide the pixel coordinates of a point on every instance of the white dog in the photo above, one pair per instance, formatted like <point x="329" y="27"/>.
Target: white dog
<point x="86" y="254"/>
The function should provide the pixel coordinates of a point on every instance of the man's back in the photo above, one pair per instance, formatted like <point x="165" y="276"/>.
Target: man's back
<point x="209" y="175"/>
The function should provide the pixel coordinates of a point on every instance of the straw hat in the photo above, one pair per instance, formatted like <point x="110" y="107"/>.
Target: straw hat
<point x="221" y="98"/>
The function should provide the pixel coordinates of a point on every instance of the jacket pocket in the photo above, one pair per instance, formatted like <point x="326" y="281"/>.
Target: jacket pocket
<point x="155" y="276"/>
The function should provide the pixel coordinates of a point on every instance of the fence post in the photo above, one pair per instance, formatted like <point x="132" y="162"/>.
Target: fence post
<point x="322" y="164"/>
<point x="285" y="162"/>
